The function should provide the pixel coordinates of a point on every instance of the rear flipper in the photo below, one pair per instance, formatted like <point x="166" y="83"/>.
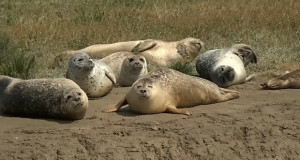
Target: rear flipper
<point x="174" y="110"/>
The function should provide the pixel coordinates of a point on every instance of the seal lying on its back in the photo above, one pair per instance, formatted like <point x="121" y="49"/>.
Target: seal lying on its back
<point x="158" y="52"/>
<point x="166" y="90"/>
<point x="95" y="78"/>
<point x="126" y="66"/>
<point x="289" y="80"/>
<point x="43" y="98"/>
<point x="226" y="67"/>
<point x="163" y="53"/>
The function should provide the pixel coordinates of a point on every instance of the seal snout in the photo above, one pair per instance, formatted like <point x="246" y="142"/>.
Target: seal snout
<point x="77" y="99"/>
<point x="144" y="92"/>
<point x="91" y="63"/>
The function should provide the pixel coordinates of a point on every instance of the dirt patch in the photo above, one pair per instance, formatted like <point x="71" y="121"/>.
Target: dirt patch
<point x="259" y="125"/>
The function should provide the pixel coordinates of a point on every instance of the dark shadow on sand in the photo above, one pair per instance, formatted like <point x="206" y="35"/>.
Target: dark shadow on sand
<point x="60" y="121"/>
<point x="127" y="112"/>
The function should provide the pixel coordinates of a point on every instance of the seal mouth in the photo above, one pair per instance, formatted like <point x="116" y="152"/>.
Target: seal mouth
<point x="78" y="105"/>
<point x="138" y="67"/>
<point x="89" y="67"/>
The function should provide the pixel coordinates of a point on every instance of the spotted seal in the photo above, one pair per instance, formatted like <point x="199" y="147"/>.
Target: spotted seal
<point x="95" y="78"/>
<point x="42" y="98"/>
<point x="166" y="90"/>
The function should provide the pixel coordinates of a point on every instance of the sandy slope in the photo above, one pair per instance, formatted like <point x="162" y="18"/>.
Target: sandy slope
<point x="259" y="125"/>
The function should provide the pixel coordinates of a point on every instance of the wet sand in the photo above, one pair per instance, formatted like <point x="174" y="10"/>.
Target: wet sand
<point x="261" y="124"/>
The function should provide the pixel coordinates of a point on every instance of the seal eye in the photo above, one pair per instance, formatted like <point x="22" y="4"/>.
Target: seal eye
<point x="69" y="97"/>
<point x="142" y="60"/>
<point x="150" y="86"/>
<point x="79" y="94"/>
<point x="131" y="59"/>
<point x="81" y="59"/>
<point x="138" y="86"/>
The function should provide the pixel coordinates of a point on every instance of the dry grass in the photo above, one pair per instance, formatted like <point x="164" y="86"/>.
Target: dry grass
<point x="46" y="28"/>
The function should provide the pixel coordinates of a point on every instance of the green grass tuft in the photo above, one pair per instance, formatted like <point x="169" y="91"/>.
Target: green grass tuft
<point x="184" y="67"/>
<point x="270" y="27"/>
<point x="14" y="62"/>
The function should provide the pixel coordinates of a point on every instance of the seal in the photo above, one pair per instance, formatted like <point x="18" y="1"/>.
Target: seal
<point x="166" y="90"/>
<point x="126" y="67"/>
<point x="102" y="50"/>
<point x="94" y="77"/>
<point x="226" y="67"/>
<point x="164" y="53"/>
<point x="58" y="98"/>
<point x="288" y="80"/>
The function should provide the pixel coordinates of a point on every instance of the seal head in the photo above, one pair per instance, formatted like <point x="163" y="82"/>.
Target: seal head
<point x="189" y="48"/>
<point x="224" y="76"/>
<point x="74" y="102"/>
<point x="134" y="63"/>
<point x="82" y="62"/>
<point x="145" y="88"/>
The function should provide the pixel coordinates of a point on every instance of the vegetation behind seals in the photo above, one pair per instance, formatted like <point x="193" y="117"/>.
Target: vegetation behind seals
<point x="47" y="28"/>
<point x="13" y="61"/>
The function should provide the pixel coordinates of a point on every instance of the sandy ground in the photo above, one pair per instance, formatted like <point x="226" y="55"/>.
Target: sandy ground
<point x="259" y="125"/>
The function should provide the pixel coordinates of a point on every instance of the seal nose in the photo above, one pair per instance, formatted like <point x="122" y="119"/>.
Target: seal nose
<point x="143" y="91"/>
<point x="76" y="99"/>
<point x="137" y="63"/>
<point x="91" y="63"/>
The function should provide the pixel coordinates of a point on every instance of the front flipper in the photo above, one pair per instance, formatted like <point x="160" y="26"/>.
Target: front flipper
<point x="121" y="103"/>
<point x="109" y="74"/>
<point x="227" y="94"/>
<point x="142" y="46"/>
<point x="174" y="110"/>
<point x="251" y="77"/>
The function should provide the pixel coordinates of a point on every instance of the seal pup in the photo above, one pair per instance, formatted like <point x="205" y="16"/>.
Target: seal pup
<point x="126" y="67"/>
<point x="226" y="67"/>
<point x="164" y="53"/>
<point x="42" y="98"/>
<point x="288" y="80"/>
<point x="95" y="78"/>
<point x="166" y="90"/>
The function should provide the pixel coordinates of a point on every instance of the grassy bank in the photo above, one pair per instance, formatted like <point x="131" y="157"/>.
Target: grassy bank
<point x="43" y="29"/>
